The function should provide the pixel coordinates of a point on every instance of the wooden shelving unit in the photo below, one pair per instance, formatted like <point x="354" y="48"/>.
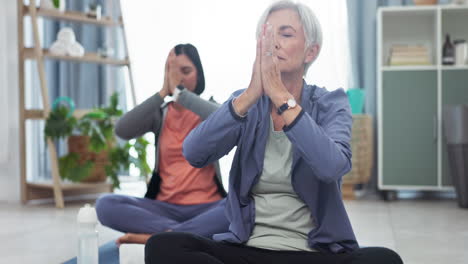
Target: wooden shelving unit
<point x="55" y="188"/>
<point x="72" y="16"/>
<point x="412" y="152"/>
<point x="30" y="53"/>
<point x="410" y="68"/>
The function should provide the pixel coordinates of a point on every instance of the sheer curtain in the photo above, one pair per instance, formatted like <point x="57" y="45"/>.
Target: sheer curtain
<point x="224" y="34"/>
<point x="4" y="123"/>
<point x="332" y="67"/>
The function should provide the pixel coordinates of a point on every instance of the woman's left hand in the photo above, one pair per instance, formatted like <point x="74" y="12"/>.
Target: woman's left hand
<point x="131" y="238"/>
<point x="175" y="76"/>
<point x="271" y="75"/>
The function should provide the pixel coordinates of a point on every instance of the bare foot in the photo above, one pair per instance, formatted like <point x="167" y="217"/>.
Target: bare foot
<point x="131" y="238"/>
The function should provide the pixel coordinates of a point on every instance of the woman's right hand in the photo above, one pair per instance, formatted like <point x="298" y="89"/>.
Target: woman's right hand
<point x="175" y="76"/>
<point x="255" y="89"/>
<point x="165" y="90"/>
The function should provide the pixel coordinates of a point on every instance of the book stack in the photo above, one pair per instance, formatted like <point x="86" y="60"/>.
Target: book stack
<point x="404" y="55"/>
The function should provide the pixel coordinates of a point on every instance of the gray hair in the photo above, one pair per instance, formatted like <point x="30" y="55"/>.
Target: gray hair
<point x="310" y="23"/>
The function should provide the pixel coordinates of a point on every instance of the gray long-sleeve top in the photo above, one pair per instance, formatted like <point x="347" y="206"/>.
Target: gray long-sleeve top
<point x="149" y="117"/>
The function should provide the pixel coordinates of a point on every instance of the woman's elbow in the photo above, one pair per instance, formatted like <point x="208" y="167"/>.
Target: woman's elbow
<point x="333" y="175"/>
<point x="328" y="177"/>
<point x="191" y="154"/>
<point x="192" y="159"/>
<point x="122" y="131"/>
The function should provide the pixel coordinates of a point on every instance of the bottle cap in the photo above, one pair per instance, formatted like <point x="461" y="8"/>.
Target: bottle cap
<point x="458" y="41"/>
<point x="87" y="215"/>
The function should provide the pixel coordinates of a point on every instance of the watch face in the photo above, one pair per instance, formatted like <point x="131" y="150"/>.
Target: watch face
<point x="292" y="103"/>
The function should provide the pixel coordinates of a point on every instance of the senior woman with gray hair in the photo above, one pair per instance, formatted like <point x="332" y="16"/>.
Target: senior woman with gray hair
<point x="284" y="203"/>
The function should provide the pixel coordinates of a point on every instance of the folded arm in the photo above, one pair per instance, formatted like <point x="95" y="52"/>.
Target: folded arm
<point x="214" y="137"/>
<point x="194" y="103"/>
<point x="324" y="144"/>
<point x="141" y="119"/>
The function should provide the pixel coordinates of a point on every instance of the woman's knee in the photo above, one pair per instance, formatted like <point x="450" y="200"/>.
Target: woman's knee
<point x="379" y="255"/>
<point x="165" y="244"/>
<point x="105" y="205"/>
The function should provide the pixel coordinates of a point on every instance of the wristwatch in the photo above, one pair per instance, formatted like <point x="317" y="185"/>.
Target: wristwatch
<point x="290" y="103"/>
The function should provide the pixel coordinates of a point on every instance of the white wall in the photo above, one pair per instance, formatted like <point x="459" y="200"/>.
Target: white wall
<point x="9" y="126"/>
<point x="224" y="34"/>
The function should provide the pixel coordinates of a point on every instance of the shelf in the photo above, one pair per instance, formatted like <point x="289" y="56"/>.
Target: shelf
<point x="455" y="67"/>
<point x="410" y="9"/>
<point x="424" y="68"/>
<point x="412" y="98"/>
<point x="422" y="8"/>
<point x="56" y="188"/>
<point x="45" y="189"/>
<point x="33" y="114"/>
<point x="88" y="57"/>
<point x="73" y="16"/>
<point x="409" y="28"/>
<point x="38" y="114"/>
<point x="410" y="68"/>
<point x="70" y="185"/>
<point x="453" y="7"/>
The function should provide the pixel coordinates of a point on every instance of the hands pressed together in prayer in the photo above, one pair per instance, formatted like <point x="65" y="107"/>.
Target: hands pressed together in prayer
<point x="267" y="59"/>
<point x="172" y="75"/>
<point x="266" y="77"/>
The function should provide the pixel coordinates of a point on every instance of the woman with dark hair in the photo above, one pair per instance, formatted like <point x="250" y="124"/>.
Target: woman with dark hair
<point x="179" y="197"/>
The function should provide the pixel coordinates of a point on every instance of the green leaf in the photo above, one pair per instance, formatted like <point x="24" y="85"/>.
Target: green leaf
<point x="107" y="130"/>
<point x="56" y="3"/>
<point x="140" y="161"/>
<point x="113" y="110"/>
<point x="114" y="101"/>
<point x="97" y="114"/>
<point x="112" y="173"/>
<point x="69" y="168"/>
<point x="58" y="124"/>
<point x="98" y="125"/>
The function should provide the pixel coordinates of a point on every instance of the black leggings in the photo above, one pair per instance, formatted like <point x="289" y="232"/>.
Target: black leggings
<point x="180" y="248"/>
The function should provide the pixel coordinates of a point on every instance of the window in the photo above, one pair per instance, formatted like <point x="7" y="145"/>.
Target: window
<point x="224" y="34"/>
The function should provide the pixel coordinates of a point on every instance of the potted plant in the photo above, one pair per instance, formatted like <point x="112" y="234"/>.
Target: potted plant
<point x="93" y="151"/>
<point x="60" y="5"/>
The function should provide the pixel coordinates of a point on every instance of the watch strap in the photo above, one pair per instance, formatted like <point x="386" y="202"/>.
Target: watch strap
<point x="283" y="108"/>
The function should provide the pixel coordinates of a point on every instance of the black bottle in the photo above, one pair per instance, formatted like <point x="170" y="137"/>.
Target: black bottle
<point x="448" y="52"/>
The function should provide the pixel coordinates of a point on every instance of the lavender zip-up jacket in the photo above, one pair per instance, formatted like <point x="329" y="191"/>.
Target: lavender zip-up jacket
<point x="320" y="137"/>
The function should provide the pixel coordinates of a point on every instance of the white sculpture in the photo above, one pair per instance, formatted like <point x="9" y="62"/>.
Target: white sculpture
<point x="66" y="44"/>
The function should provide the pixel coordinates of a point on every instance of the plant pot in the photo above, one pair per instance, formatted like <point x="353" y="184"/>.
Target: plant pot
<point x="80" y="146"/>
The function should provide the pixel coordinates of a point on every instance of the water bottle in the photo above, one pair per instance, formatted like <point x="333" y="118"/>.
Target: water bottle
<point x="88" y="251"/>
